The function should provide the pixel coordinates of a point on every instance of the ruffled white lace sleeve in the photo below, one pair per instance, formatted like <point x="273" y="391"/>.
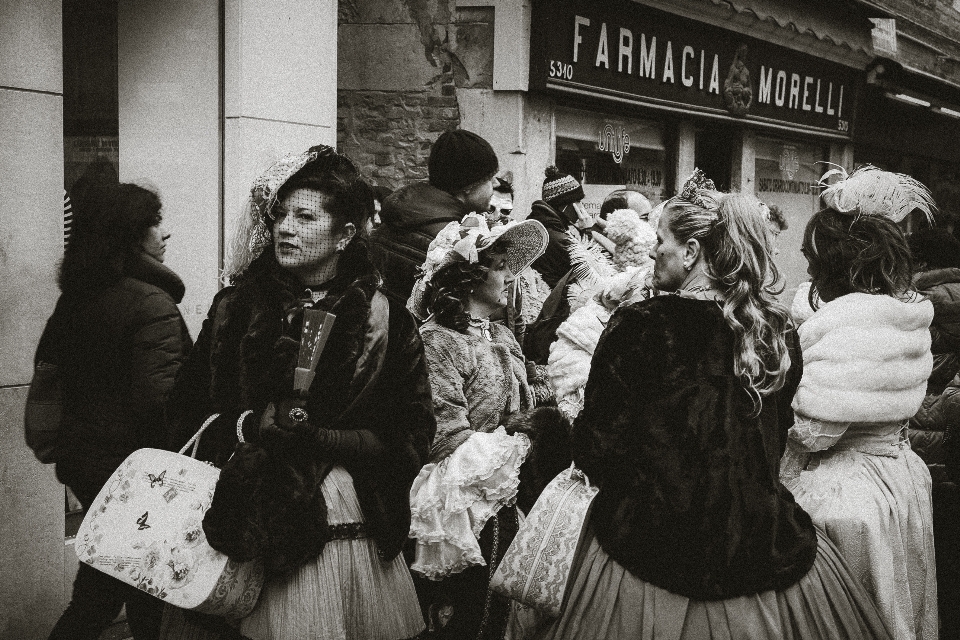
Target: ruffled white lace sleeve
<point x="812" y="435"/>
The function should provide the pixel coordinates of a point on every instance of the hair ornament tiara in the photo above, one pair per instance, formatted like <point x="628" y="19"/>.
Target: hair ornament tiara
<point x="697" y="182"/>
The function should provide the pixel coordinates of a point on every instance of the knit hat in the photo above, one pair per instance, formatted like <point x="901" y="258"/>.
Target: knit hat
<point x="561" y="189"/>
<point x="459" y="159"/>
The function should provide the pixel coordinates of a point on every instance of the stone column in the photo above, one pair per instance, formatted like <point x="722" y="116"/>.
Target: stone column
<point x="31" y="246"/>
<point x="169" y="116"/>
<point x="280" y="87"/>
<point x="744" y="164"/>
<point x="686" y="153"/>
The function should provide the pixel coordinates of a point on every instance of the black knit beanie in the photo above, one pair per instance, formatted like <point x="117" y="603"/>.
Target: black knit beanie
<point x="459" y="159"/>
<point x="561" y="189"/>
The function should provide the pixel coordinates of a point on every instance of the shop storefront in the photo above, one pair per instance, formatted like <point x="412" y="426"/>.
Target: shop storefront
<point x="906" y="122"/>
<point x="641" y="96"/>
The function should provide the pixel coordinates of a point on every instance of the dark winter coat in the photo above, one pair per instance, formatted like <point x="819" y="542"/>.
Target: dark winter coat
<point x="411" y="217"/>
<point x="690" y="498"/>
<point x="927" y="427"/>
<point x="555" y="262"/>
<point x="244" y="359"/>
<point x="120" y="351"/>
<point x="942" y="286"/>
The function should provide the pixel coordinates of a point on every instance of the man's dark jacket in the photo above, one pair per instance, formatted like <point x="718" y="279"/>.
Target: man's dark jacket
<point x="554" y="264"/>
<point x="411" y="217"/>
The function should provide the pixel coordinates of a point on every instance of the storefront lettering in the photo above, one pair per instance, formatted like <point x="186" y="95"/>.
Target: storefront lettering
<point x="627" y="51"/>
<point x="777" y="92"/>
<point x="776" y="185"/>
<point x="648" y="57"/>
<point x="614" y="141"/>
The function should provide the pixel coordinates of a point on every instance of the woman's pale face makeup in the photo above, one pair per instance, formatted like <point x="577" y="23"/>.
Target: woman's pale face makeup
<point x="492" y="294"/>
<point x="671" y="258"/>
<point x="305" y="235"/>
<point x="155" y="242"/>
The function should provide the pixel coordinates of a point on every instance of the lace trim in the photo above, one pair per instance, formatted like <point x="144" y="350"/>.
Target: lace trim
<point x="448" y="514"/>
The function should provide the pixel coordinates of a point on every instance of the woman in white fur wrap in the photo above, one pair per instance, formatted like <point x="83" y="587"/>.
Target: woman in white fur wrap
<point x="866" y="360"/>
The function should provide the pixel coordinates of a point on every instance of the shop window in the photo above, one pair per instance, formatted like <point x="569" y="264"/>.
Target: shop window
<point x="787" y="174"/>
<point x="606" y="153"/>
<point x="90" y="95"/>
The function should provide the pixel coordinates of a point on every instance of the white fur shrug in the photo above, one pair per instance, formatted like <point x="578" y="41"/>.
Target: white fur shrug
<point x="866" y="358"/>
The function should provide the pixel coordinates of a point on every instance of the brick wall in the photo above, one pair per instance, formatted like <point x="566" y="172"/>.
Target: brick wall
<point x="400" y="63"/>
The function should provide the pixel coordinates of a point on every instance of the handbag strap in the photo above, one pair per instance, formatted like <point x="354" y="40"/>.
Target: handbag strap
<point x="195" y="439"/>
<point x="577" y="474"/>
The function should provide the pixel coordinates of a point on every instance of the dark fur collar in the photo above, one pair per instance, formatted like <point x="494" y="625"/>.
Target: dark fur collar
<point x="256" y="341"/>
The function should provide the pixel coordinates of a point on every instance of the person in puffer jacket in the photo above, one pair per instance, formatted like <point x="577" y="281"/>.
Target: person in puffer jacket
<point x="462" y="169"/>
<point x="937" y="257"/>
<point x="120" y="344"/>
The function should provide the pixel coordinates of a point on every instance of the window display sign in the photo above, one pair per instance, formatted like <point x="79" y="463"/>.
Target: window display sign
<point x="787" y="175"/>
<point x="616" y="141"/>
<point x="626" y="52"/>
<point x="606" y="153"/>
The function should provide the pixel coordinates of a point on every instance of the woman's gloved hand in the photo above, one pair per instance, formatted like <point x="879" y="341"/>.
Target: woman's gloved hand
<point x="286" y="423"/>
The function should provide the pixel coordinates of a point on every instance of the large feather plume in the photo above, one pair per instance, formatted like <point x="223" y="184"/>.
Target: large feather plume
<point x="871" y="191"/>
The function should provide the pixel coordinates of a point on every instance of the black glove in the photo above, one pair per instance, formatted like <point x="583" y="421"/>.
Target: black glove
<point x="286" y="424"/>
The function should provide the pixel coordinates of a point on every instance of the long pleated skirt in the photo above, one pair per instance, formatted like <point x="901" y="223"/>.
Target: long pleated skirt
<point x="346" y="593"/>
<point x="878" y="510"/>
<point x="607" y="601"/>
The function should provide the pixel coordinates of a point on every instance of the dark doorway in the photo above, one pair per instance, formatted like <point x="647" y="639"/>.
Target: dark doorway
<point x="714" y="153"/>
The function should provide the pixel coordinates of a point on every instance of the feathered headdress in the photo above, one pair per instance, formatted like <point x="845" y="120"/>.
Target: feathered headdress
<point x="871" y="191"/>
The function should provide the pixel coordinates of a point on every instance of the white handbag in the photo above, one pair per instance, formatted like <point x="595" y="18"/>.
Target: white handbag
<point x="145" y="529"/>
<point x="536" y="568"/>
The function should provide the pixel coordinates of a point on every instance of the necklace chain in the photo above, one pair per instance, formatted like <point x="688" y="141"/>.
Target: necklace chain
<point x="483" y="324"/>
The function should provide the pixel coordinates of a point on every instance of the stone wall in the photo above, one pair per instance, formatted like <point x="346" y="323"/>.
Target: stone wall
<point x="400" y="65"/>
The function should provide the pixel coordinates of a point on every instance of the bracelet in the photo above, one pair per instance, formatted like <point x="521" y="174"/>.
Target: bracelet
<point x="240" y="424"/>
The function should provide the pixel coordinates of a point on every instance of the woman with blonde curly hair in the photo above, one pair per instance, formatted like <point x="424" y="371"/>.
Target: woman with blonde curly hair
<point x="685" y="417"/>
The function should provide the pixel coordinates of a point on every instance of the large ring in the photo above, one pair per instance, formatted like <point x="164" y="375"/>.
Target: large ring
<point x="298" y="415"/>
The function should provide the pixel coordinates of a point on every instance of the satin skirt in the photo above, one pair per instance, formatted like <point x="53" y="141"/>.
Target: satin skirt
<point x="607" y="601"/>
<point x="346" y="593"/>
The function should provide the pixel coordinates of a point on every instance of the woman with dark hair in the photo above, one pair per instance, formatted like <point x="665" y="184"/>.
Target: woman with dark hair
<point x="119" y="340"/>
<point x="686" y="411"/>
<point x="463" y="500"/>
<point x="318" y="487"/>
<point x="866" y="353"/>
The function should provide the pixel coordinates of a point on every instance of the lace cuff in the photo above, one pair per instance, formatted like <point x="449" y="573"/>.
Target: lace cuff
<point x="810" y="434"/>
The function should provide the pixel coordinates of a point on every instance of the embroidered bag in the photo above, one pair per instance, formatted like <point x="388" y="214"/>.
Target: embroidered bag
<point x="144" y="528"/>
<point x="536" y="568"/>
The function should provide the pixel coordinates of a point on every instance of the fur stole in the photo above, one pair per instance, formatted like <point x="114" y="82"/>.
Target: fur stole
<point x="866" y="358"/>
<point x="268" y="502"/>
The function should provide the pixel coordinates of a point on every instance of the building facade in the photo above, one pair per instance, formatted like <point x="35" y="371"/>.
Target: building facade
<point x="761" y="94"/>
<point x="195" y="98"/>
